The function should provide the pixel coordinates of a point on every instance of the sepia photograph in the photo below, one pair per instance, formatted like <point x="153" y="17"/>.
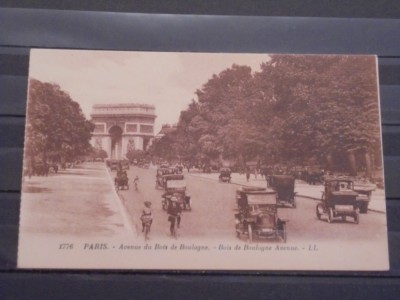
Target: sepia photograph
<point x="202" y="161"/>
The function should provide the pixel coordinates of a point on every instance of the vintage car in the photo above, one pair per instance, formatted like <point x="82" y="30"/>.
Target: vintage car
<point x="175" y="186"/>
<point x="114" y="165"/>
<point x="284" y="187"/>
<point x="160" y="173"/>
<point x="364" y="191"/>
<point x="338" y="200"/>
<point x="178" y="169"/>
<point x="224" y="175"/>
<point x="168" y="177"/>
<point x="124" y="164"/>
<point x="313" y="175"/>
<point x="144" y="163"/>
<point x="121" y="182"/>
<point x="257" y="216"/>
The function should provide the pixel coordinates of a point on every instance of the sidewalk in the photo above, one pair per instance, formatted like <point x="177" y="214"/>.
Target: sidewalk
<point x="303" y="189"/>
<point x="75" y="202"/>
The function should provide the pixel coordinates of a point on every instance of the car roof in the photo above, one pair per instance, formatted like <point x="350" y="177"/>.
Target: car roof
<point x="260" y="192"/>
<point x="254" y="190"/>
<point x="176" y="183"/>
<point x="347" y="179"/>
<point x="344" y="193"/>
<point x="283" y="177"/>
<point x="174" y="176"/>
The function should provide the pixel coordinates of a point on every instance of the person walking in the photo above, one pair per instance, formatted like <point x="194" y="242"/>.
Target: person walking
<point x="174" y="215"/>
<point x="247" y="174"/>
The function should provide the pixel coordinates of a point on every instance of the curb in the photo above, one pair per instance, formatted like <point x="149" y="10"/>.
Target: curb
<point x="125" y="217"/>
<point x="303" y="196"/>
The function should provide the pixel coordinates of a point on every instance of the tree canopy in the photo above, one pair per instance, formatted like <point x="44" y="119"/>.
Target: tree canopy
<point x="298" y="109"/>
<point x="56" y="127"/>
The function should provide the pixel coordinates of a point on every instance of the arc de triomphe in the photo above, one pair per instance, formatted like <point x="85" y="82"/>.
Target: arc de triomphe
<point x="121" y="127"/>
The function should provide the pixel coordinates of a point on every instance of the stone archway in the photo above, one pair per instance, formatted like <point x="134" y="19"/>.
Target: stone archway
<point x="116" y="142"/>
<point x="146" y="142"/>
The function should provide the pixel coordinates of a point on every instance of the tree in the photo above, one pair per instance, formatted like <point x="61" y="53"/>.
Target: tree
<point x="56" y="126"/>
<point x="319" y="98"/>
<point x="298" y="109"/>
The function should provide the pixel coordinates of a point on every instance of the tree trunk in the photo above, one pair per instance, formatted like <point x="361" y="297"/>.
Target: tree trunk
<point x="368" y="165"/>
<point x="329" y="160"/>
<point x="352" y="163"/>
<point x="44" y="157"/>
<point x="373" y="166"/>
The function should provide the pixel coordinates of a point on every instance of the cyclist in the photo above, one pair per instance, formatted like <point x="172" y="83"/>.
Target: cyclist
<point x="174" y="214"/>
<point x="147" y="215"/>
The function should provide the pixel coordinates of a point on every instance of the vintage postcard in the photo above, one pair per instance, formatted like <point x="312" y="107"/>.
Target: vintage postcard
<point x="202" y="161"/>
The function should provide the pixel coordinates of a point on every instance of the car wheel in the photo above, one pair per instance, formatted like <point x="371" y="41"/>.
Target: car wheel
<point x="250" y="231"/>
<point x="356" y="217"/>
<point x="319" y="211"/>
<point x="364" y="207"/>
<point x="284" y="233"/>
<point x="330" y="215"/>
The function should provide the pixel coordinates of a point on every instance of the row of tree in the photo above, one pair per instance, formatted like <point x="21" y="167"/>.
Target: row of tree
<point x="297" y="110"/>
<point x="56" y="128"/>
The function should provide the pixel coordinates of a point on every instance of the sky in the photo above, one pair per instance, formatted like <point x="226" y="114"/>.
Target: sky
<point x="167" y="80"/>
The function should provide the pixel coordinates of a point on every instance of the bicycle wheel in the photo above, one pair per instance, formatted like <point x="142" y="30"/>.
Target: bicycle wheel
<point x="146" y="231"/>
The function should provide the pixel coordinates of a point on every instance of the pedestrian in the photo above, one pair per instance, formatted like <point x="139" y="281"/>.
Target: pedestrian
<point x="136" y="182"/>
<point x="247" y="174"/>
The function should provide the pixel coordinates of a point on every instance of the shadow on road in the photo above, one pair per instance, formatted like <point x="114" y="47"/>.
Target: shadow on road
<point x="34" y="189"/>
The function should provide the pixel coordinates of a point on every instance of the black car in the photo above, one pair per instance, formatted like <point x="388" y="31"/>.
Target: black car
<point x="284" y="187"/>
<point x="257" y="216"/>
<point x="225" y="175"/>
<point x="338" y="200"/>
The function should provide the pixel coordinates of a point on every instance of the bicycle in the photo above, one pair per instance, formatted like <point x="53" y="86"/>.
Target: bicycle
<point x="146" y="231"/>
<point x="146" y="220"/>
<point x="174" y="224"/>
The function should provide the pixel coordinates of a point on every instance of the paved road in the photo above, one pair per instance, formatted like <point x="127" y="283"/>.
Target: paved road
<point x="212" y="216"/>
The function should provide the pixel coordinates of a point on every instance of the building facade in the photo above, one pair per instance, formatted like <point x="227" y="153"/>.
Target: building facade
<point x="122" y="127"/>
